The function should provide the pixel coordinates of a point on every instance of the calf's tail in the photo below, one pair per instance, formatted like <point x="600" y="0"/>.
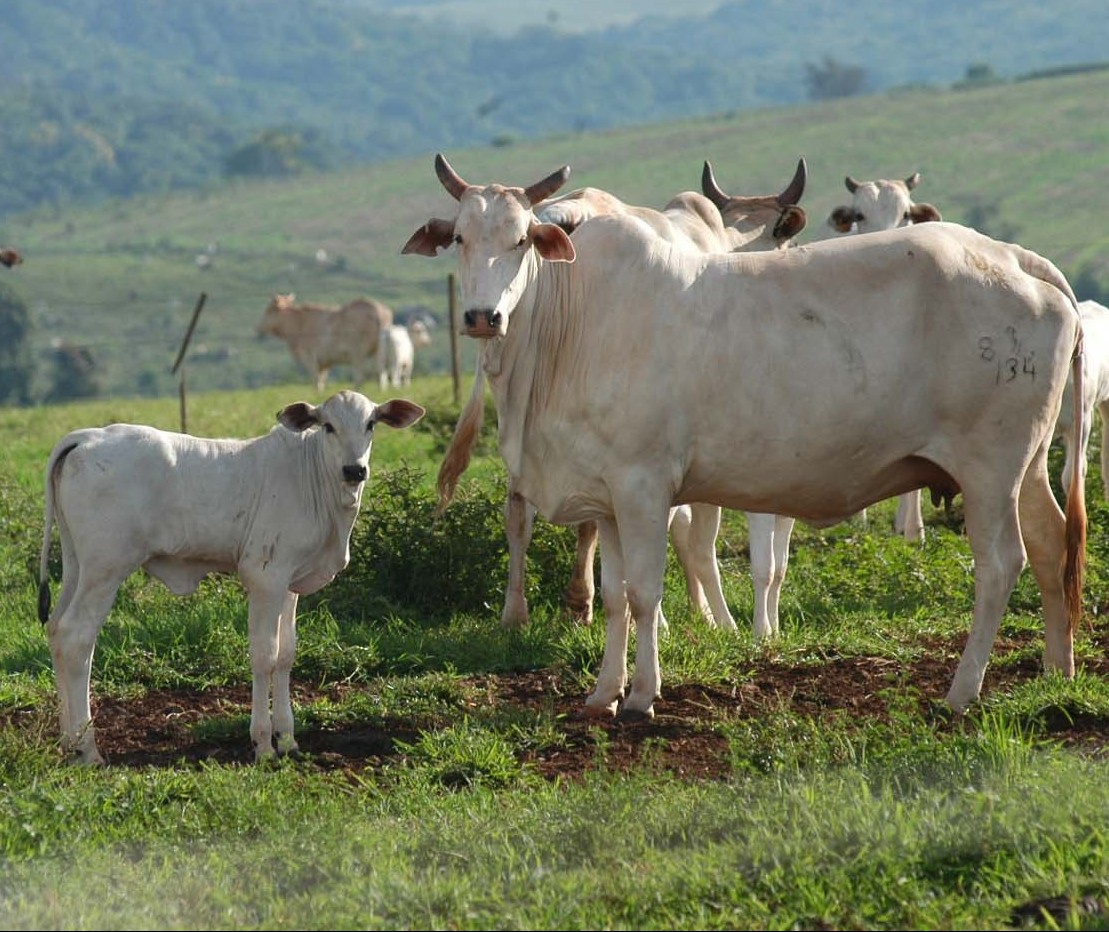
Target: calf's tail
<point x="52" y="466"/>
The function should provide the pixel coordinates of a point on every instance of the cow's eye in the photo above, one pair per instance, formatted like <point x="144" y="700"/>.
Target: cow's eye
<point x="859" y="216"/>
<point x="369" y="427"/>
<point x="523" y="242"/>
<point x="328" y="428"/>
<point x="458" y="239"/>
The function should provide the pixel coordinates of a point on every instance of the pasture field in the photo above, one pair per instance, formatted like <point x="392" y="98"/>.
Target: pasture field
<point x="1024" y="161"/>
<point x="448" y="781"/>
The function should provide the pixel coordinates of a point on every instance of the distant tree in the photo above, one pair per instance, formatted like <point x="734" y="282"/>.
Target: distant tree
<point x="75" y="373"/>
<point x="277" y="152"/>
<point x="978" y="75"/>
<point x="1088" y="287"/>
<point x="983" y="217"/>
<point x="17" y="361"/>
<point x="832" y="79"/>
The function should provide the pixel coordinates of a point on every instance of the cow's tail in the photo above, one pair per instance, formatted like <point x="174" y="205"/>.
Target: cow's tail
<point x="61" y="451"/>
<point x="466" y="432"/>
<point x="1075" y="568"/>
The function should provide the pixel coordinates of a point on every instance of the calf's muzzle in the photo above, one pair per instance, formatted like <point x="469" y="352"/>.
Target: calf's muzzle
<point x="356" y="473"/>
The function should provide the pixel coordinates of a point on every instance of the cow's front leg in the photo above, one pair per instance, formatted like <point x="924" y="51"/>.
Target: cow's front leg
<point x="604" y="701"/>
<point x="282" y="698"/>
<point x="643" y="538"/>
<point x="519" y="516"/>
<point x="266" y="604"/>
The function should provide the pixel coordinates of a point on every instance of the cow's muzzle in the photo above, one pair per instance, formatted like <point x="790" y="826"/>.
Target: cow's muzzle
<point x="354" y="474"/>
<point x="482" y="324"/>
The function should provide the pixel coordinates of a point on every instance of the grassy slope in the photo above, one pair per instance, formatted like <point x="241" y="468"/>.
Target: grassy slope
<point x="123" y="279"/>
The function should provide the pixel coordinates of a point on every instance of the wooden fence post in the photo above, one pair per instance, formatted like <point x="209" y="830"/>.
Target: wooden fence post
<point x="178" y="363"/>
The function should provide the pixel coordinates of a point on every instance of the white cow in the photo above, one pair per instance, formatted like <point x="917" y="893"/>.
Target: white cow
<point x="933" y="357"/>
<point x="277" y="510"/>
<point x="1095" y="383"/>
<point x="400" y="345"/>
<point x="887" y="204"/>
<point x="710" y="222"/>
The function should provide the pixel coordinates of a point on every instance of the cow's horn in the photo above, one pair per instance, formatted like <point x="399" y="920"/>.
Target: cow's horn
<point x="710" y="188"/>
<point x="541" y="190"/>
<point x="792" y="193"/>
<point x="912" y="181"/>
<point x="450" y="179"/>
<point x="852" y="184"/>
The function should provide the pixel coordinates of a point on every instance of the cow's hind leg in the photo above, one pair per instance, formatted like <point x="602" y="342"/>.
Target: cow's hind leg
<point x="581" y="590"/>
<point x="990" y="510"/>
<point x="1044" y="533"/>
<point x="769" y="544"/>
<point x="282" y="698"/>
<point x="72" y="634"/>
<point x="909" y="520"/>
<point x="693" y="531"/>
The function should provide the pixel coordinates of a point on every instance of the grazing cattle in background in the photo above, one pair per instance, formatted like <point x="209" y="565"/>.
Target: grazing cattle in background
<point x="710" y="222"/>
<point x="400" y="344"/>
<point x="933" y="357"/>
<point x="1095" y="395"/>
<point x="9" y="257"/>
<point x="277" y="510"/>
<point x="887" y="204"/>
<point x="320" y="336"/>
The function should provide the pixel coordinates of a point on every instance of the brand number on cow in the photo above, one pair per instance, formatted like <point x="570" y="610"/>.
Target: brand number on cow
<point x="1008" y="357"/>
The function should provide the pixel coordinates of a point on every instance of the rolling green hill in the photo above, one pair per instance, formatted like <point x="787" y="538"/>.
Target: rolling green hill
<point x="1025" y="161"/>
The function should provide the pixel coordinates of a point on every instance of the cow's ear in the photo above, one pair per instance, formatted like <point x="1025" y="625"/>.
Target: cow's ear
<point x="434" y="235"/>
<point x="552" y="242"/>
<point x="924" y="213"/>
<point x="299" y="416"/>
<point x="398" y="412"/>
<point x="841" y="218"/>
<point x="790" y="223"/>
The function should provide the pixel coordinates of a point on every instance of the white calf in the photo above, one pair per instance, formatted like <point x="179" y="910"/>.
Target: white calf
<point x="277" y="510"/>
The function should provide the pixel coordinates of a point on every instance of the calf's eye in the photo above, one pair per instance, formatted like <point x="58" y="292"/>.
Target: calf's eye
<point x="328" y="428"/>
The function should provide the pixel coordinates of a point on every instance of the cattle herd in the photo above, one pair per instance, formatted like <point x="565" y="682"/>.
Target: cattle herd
<point x="649" y="368"/>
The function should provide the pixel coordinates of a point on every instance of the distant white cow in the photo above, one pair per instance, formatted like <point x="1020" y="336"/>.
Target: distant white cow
<point x="933" y="357"/>
<point x="277" y="510"/>
<point x="1095" y="384"/>
<point x="320" y="336"/>
<point x="710" y="222"/>
<point x="887" y="204"/>
<point x="400" y="345"/>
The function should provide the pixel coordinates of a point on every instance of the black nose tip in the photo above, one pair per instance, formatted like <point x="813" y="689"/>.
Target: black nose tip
<point x="492" y="318"/>
<point x="354" y="473"/>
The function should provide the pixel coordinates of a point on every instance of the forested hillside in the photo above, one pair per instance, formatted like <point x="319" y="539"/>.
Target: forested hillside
<point x="109" y="98"/>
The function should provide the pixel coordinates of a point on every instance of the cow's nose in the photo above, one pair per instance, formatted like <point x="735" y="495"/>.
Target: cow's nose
<point x="492" y="318"/>
<point x="355" y="473"/>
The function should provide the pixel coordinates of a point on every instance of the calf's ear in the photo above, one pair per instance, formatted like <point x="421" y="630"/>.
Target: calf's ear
<point x="791" y="222"/>
<point x="298" y="416"/>
<point x="398" y="412"/>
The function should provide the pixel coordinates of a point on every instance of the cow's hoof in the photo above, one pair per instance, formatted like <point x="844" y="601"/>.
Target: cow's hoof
<point x="628" y="716"/>
<point x="601" y="710"/>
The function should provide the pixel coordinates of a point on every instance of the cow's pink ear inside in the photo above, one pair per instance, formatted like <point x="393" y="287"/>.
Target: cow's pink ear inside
<point x="552" y="242"/>
<point x="398" y="412"/>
